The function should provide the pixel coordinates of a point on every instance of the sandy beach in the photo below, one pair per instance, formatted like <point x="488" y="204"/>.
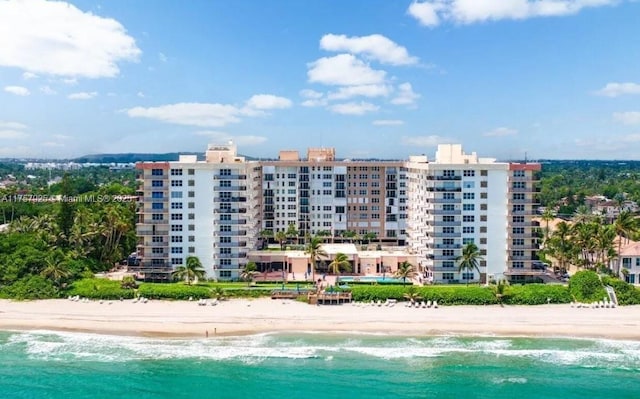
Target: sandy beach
<point x="238" y="317"/>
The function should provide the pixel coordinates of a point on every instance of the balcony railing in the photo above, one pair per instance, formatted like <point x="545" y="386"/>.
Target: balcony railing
<point x="230" y="188"/>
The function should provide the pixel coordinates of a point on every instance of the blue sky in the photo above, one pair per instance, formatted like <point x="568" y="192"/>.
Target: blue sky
<point x="555" y="79"/>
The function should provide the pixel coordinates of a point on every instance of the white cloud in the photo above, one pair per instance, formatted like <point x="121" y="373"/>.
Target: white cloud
<point x="56" y="38"/>
<point x="268" y="101"/>
<point x="70" y="81"/>
<point x="426" y="12"/>
<point x="29" y="75"/>
<point x="423" y="141"/>
<point x="388" y="122"/>
<point x="162" y="57"/>
<point x="501" y="132"/>
<point x="343" y="70"/>
<point x="627" y="118"/>
<point x="375" y="47"/>
<point x="12" y="134"/>
<point x="48" y="90"/>
<point x="432" y="12"/>
<point x="353" y="108"/>
<point x="191" y="114"/>
<point x="631" y="138"/>
<point x="315" y="103"/>
<point x="17" y="90"/>
<point x="344" y="93"/>
<point x="223" y="137"/>
<point x="312" y="94"/>
<point x="82" y="95"/>
<point x="12" y="125"/>
<point x="405" y="95"/>
<point x="140" y="94"/>
<point x="619" y="89"/>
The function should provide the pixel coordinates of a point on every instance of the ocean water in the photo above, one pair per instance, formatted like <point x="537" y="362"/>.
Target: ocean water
<point x="44" y="364"/>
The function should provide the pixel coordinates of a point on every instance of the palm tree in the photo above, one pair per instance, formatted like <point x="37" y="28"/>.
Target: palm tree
<point x="55" y="267"/>
<point x="412" y="294"/>
<point x="625" y="226"/>
<point x="370" y="236"/>
<point x="349" y="234"/>
<point x="249" y="272"/>
<point x="499" y="290"/>
<point x="405" y="271"/>
<point x="341" y="261"/>
<point x="281" y="237"/>
<point x="191" y="271"/>
<point x="547" y="216"/>
<point x="315" y="251"/>
<point x="560" y="245"/>
<point x="292" y="232"/>
<point x="470" y="259"/>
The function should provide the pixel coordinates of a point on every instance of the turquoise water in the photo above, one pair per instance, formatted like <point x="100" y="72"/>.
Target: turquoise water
<point x="371" y="279"/>
<point x="41" y="364"/>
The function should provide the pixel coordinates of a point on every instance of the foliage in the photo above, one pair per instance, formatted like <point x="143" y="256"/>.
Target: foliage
<point x="173" y="291"/>
<point x="191" y="271"/>
<point x="470" y="259"/>
<point x="626" y="293"/>
<point x="128" y="282"/>
<point x="340" y="263"/>
<point x="585" y="286"/>
<point x="245" y="292"/>
<point x="405" y="271"/>
<point x="30" y="287"/>
<point x="536" y="294"/>
<point x="100" y="288"/>
<point x="249" y="272"/>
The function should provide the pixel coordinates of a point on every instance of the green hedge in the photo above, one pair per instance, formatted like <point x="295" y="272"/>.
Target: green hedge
<point x="463" y="295"/>
<point x="173" y="291"/>
<point x="585" y="286"/>
<point x="536" y="294"/>
<point x="99" y="288"/>
<point x="32" y="287"/>
<point x="247" y="292"/>
<point x="626" y="293"/>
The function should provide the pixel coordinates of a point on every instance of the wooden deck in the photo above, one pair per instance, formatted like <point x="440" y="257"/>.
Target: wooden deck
<point x="329" y="298"/>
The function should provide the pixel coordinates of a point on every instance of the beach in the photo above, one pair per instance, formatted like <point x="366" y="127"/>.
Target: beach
<point x="177" y="319"/>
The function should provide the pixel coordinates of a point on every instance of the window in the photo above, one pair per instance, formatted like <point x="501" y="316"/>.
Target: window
<point x="191" y="205"/>
<point x="192" y="238"/>
<point x="176" y="183"/>
<point x="192" y="227"/>
<point x="156" y="183"/>
<point x="191" y="172"/>
<point x="157" y="205"/>
<point x="447" y="252"/>
<point x="176" y="261"/>
<point x="518" y="265"/>
<point x="484" y="184"/>
<point x="483" y="207"/>
<point x="156" y="251"/>
<point x="176" y="250"/>
<point x="157" y="216"/>
<point x="467" y="240"/>
<point x="518" y="185"/>
<point x="157" y="195"/>
<point x="518" y="242"/>
<point x="192" y="216"/>
<point x="448" y="230"/>
<point x="518" y="173"/>
<point x="176" y="216"/>
<point x="176" y="238"/>
<point x="191" y="183"/>
<point x="483" y="173"/>
<point x="448" y="196"/>
<point x="176" y="172"/>
<point x="518" y="196"/>
<point x="176" y="205"/>
<point x="176" y="227"/>
<point x="483" y="240"/>
<point x="518" y="230"/>
<point x="448" y="263"/>
<point x="483" y="218"/>
<point x="156" y="172"/>
<point x="468" y="218"/>
<point x="518" y="219"/>
<point x="176" y="194"/>
<point x="191" y="194"/>
<point x="448" y="218"/>
<point x="468" y="230"/>
<point x="468" y="207"/>
<point x="447" y="276"/>
<point x="483" y="195"/>
<point x="468" y="196"/>
<point x="469" y="173"/>
<point x="192" y="250"/>
<point x="467" y="276"/>
<point x="518" y="208"/>
<point x="448" y="207"/>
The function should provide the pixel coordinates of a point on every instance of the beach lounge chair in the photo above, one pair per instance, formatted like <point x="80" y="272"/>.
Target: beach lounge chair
<point x="435" y="304"/>
<point x="428" y="304"/>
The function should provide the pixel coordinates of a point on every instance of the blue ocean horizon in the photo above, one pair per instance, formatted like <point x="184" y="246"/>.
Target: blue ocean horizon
<point x="45" y="364"/>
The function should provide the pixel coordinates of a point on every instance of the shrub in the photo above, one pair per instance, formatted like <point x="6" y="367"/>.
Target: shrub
<point x="626" y="293"/>
<point x="32" y="287"/>
<point x="462" y="295"/>
<point x="536" y="294"/>
<point x="100" y="288"/>
<point x="173" y="291"/>
<point x="247" y="292"/>
<point x="585" y="286"/>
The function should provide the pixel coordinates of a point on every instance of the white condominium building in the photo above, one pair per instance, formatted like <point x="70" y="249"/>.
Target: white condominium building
<point x="209" y="209"/>
<point x="458" y="199"/>
<point x="216" y="209"/>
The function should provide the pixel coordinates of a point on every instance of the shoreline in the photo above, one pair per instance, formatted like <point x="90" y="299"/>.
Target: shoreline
<point x="241" y="317"/>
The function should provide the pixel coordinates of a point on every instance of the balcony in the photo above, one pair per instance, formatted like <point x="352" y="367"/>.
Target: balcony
<point x="444" y="257"/>
<point x="448" y="177"/>
<point x="446" y="212"/>
<point x="448" y="246"/>
<point x="240" y="244"/>
<point x="239" y="233"/>
<point x="226" y="210"/>
<point x="229" y="177"/>
<point x="230" y="188"/>
<point x="451" y="189"/>
<point x="452" y="224"/>
<point x="229" y="199"/>
<point x="447" y="200"/>
<point x="445" y="235"/>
